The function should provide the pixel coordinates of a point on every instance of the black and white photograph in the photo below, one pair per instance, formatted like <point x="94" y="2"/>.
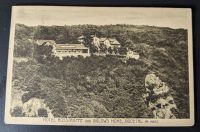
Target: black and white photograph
<point x="100" y="66"/>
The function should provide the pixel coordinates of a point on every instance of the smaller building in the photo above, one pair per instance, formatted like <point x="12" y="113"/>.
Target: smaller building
<point x="132" y="54"/>
<point x="46" y="42"/>
<point x="81" y="39"/>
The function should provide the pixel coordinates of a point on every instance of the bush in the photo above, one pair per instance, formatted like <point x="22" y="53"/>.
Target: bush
<point x="17" y="112"/>
<point x="42" y="112"/>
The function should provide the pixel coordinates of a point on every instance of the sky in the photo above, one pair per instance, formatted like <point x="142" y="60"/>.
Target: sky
<point x="55" y="15"/>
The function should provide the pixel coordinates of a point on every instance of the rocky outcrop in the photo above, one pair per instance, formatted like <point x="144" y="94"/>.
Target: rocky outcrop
<point x="158" y="97"/>
<point x="33" y="107"/>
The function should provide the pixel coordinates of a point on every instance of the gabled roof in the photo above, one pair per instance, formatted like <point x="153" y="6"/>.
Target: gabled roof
<point x="102" y="39"/>
<point x="81" y="37"/>
<point x="70" y="46"/>
<point x="135" y="53"/>
<point x="42" y="41"/>
<point x="113" y="41"/>
<point x="132" y="52"/>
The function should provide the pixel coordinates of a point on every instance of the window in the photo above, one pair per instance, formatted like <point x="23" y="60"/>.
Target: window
<point x="85" y="50"/>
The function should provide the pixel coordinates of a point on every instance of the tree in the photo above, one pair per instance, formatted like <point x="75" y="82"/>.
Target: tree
<point x="42" y="112"/>
<point x="93" y="49"/>
<point x="123" y="51"/>
<point x="88" y="43"/>
<point x="103" y="48"/>
<point x="106" y="80"/>
<point x="110" y="50"/>
<point x="17" y="112"/>
<point x="115" y="50"/>
<point x="60" y="39"/>
<point x="43" y="53"/>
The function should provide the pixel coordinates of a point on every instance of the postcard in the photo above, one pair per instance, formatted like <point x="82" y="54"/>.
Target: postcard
<point x="100" y="66"/>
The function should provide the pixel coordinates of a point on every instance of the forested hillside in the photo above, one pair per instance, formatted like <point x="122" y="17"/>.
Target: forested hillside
<point x="101" y="86"/>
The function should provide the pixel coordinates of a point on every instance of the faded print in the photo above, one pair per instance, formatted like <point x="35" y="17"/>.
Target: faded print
<point x="99" y="65"/>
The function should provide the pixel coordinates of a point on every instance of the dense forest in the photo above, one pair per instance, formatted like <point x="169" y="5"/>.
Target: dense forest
<point x="98" y="86"/>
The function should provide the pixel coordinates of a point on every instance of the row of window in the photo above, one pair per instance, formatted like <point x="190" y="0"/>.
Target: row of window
<point x="72" y="51"/>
